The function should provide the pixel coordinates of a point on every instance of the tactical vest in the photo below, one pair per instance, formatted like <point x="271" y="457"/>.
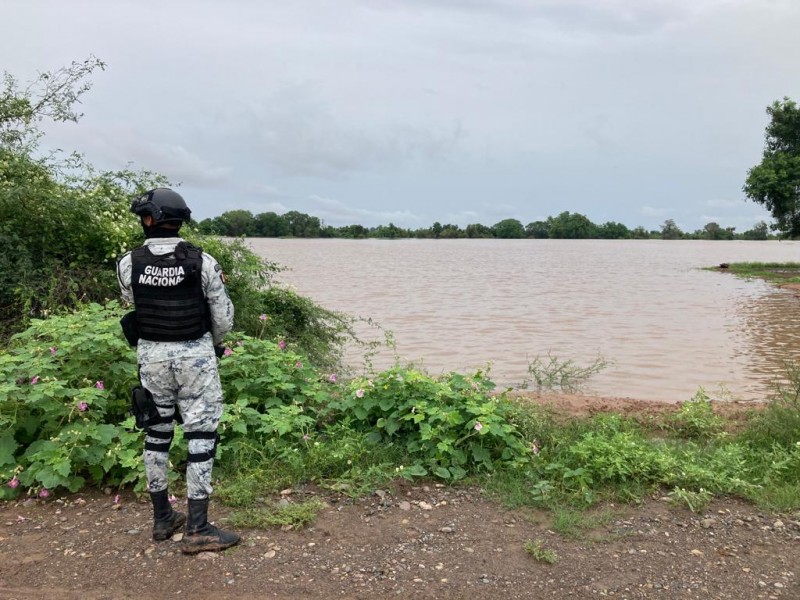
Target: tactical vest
<point x="168" y="294"/>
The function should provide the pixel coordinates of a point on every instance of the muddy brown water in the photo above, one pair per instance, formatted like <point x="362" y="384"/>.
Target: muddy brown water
<point x="665" y="325"/>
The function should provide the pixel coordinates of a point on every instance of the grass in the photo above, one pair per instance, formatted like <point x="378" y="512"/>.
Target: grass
<point x="578" y="524"/>
<point x="771" y="271"/>
<point x="539" y="553"/>
<point x="295" y="516"/>
<point x="694" y="501"/>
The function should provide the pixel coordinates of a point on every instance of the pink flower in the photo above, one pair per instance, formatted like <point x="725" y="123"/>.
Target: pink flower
<point x="34" y="380"/>
<point x="227" y="352"/>
<point x="14" y="482"/>
<point x="332" y="378"/>
<point x="44" y="493"/>
<point x="298" y="365"/>
<point x="83" y="407"/>
<point x="478" y="426"/>
<point x="172" y="499"/>
<point x="53" y="350"/>
<point x="282" y="345"/>
<point x="306" y="437"/>
<point x="263" y="317"/>
<point x="360" y="393"/>
<point x="116" y="499"/>
<point x="100" y="385"/>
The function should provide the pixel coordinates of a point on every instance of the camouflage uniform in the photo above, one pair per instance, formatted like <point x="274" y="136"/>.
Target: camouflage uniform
<point x="183" y="373"/>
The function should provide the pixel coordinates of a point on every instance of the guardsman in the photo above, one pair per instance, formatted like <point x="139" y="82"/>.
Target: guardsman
<point x="182" y="311"/>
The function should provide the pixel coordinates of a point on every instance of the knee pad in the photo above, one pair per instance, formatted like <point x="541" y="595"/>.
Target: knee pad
<point x="202" y="435"/>
<point x="164" y="440"/>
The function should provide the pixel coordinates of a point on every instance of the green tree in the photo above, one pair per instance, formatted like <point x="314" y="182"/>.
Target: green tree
<point x="539" y="230"/>
<point x="355" y="232"/>
<point x="390" y="231"/>
<point x="302" y="225"/>
<point x="775" y="181"/>
<point x="572" y="226"/>
<point x="450" y="231"/>
<point x="234" y="223"/>
<point x="670" y="231"/>
<point x="509" y="229"/>
<point x="270" y="224"/>
<point x="640" y="233"/>
<point x="760" y="231"/>
<point x="713" y="231"/>
<point x="613" y="231"/>
<point x="477" y="230"/>
<point x="210" y="226"/>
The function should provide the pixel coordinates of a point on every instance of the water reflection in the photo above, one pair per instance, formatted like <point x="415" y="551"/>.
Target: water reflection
<point x="666" y="326"/>
<point x="770" y="337"/>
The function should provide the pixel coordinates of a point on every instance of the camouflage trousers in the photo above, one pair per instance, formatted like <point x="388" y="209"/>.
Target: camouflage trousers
<point x="193" y="385"/>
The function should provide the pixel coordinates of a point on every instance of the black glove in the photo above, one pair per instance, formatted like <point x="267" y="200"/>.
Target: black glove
<point x="219" y="351"/>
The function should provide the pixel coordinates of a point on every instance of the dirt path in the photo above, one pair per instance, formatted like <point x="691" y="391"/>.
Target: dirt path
<point x="425" y="541"/>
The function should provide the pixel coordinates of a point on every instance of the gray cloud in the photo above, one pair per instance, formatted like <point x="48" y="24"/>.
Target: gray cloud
<point x="117" y="146"/>
<point x="428" y="110"/>
<point x="336" y="213"/>
<point x="295" y="132"/>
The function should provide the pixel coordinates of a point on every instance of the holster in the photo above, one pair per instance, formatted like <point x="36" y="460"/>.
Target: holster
<point x="144" y="408"/>
<point x="130" y="328"/>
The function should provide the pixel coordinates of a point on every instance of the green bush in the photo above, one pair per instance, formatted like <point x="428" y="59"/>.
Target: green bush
<point x="695" y="419"/>
<point x="779" y="421"/>
<point x="63" y="400"/>
<point x="450" y="426"/>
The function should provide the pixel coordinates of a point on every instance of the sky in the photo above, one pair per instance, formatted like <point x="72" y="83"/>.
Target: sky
<point x="416" y="111"/>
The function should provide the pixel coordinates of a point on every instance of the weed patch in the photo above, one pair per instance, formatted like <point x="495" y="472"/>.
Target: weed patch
<point x="295" y="516"/>
<point x="539" y="553"/>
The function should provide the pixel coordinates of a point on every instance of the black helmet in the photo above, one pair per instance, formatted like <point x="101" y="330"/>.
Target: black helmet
<point x="163" y="205"/>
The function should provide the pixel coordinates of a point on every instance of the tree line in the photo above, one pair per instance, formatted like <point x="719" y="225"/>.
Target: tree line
<point x="567" y="225"/>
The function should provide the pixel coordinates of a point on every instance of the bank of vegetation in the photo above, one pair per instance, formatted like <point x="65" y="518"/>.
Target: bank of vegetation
<point x="566" y="225"/>
<point x="293" y="413"/>
<point x="774" y="272"/>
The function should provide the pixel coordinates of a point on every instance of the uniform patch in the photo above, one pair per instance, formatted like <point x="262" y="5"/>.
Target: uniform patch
<point x="218" y="268"/>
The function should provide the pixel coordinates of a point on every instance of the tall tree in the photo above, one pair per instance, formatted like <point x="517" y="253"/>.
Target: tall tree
<point x="237" y="222"/>
<point x="539" y="230"/>
<point x="670" y="231"/>
<point x="477" y="230"/>
<point x="572" y="226"/>
<point x="775" y="181"/>
<point x="270" y="224"/>
<point x="509" y="229"/>
<point x="302" y="225"/>
<point x="611" y="230"/>
<point x="760" y="231"/>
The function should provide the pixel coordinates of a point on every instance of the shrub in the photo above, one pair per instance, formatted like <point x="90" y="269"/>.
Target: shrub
<point x="449" y="425"/>
<point x="695" y="419"/>
<point x="63" y="391"/>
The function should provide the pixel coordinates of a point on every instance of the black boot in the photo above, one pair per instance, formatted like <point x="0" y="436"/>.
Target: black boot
<point x="165" y="520"/>
<point x="201" y="536"/>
